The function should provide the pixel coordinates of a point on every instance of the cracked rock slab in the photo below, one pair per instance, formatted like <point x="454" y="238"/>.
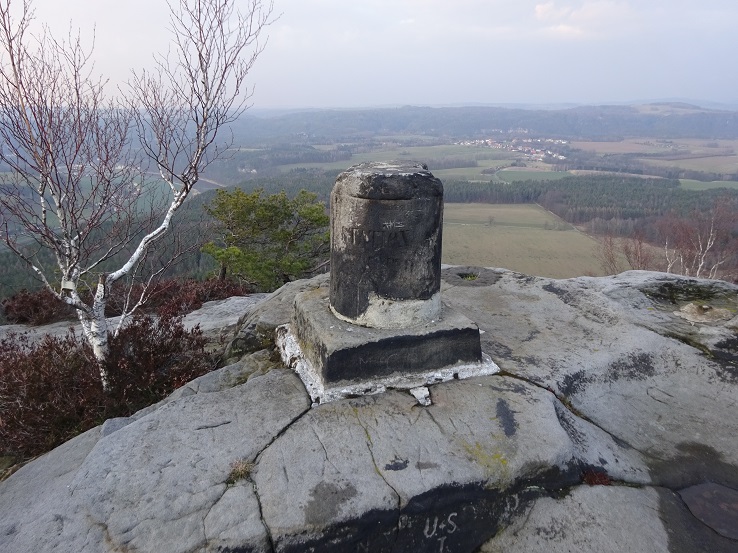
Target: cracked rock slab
<point x="615" y="352"/>
<point x="601" y="383"/>
<point x="217" y="319"/>
<point x="255" y="328"/>
<point x="33" y="501"/>
<point x="235" y="521"/>
<point x="608" y="519"/>
<point x="156" y="484"/>
<point x="382" y="470"/>
<point x="605" y="519"/>
<point x="716" y="506"/>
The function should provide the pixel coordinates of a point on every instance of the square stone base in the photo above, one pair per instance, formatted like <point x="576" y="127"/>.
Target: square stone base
<point x="337" y="359"/>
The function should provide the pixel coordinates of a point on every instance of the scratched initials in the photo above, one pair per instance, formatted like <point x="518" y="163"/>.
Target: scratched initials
<point x="447" y="526"/>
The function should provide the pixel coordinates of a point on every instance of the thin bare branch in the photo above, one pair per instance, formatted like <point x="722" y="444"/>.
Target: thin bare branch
<point x="79" y="160"/>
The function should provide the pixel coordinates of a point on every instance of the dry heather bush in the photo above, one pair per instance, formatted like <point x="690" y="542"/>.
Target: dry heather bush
<point x="50" y="390"/>
<point x="152" y="357"/>
<point x="168" y="297"/>
<point x="179" y="297"/>
<point x="35" y="308"/>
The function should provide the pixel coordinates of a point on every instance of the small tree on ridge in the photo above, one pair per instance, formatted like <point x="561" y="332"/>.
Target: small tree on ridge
<point x="269" y="240"/>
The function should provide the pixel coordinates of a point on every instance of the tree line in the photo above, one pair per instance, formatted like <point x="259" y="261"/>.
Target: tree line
<point x="580" y="199"/>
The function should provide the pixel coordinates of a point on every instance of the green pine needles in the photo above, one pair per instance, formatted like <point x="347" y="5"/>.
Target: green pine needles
<point x="268" y="240"/>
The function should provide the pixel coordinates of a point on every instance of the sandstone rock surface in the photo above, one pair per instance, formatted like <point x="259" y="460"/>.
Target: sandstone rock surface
<point x="217" y="319"/>
<point x="611" y="414"/>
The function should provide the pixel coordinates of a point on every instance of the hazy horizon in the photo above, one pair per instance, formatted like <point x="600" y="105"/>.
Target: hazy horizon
<point x="377" y="53"/>
<point x="705" y="104"/>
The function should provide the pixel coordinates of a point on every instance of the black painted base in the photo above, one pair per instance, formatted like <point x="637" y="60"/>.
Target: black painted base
<point x="342" y="353"/>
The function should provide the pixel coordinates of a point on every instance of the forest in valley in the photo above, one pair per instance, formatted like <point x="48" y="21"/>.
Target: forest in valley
<point x="628" y="186"/>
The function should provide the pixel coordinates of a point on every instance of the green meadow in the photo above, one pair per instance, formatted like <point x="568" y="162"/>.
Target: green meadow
<point x="520" y="237"/>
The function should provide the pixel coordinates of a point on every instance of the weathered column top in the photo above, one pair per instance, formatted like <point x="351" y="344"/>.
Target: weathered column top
<point x="388" y="180"/>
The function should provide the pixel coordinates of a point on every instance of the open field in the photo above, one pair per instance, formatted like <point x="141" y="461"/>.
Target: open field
<point x="473" y="173"/>
<point x="510" y="215"/>
<point x="486" y="157"/>
<point x="404" y="138"/>
<point x="699" y="185"/>
<point x="584" y="172"/>
<point x="713" y="163"/>
<point x="518" y="238"/>
<point x="521" y="173"/>
<point x="710" y="156"/>
<point x="462" y="173"/>
<point x="691" y="154"/>
<point x="696" y="146"/>
<point x="631" y="145"/>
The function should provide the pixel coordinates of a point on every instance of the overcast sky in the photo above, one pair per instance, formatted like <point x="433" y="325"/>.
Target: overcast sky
<point x="351" y="53"/>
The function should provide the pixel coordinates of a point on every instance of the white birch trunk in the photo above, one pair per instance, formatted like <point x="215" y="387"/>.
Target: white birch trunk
<point x="95" y="328"/>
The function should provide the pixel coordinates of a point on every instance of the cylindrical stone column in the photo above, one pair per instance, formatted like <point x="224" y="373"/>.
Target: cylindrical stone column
<point x="386" y="221"/>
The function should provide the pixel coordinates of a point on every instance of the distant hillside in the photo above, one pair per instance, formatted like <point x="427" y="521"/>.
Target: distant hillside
<point x="658" y="120"/>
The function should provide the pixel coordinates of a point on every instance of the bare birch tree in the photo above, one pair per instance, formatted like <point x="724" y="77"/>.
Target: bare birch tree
<point x="637" y="252"/>
<point x="700" y="245"/>
<point x="79" y="182"/>
<point x="608" y="254"/>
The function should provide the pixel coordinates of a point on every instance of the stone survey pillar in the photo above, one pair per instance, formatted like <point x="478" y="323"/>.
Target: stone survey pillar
<point x="386" y="221"/>
<point x="379" y="323"/>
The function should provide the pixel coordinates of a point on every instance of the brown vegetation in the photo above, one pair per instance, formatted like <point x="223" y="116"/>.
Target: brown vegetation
<point x="170" y="297"/>
<point x="50" y="390"/>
